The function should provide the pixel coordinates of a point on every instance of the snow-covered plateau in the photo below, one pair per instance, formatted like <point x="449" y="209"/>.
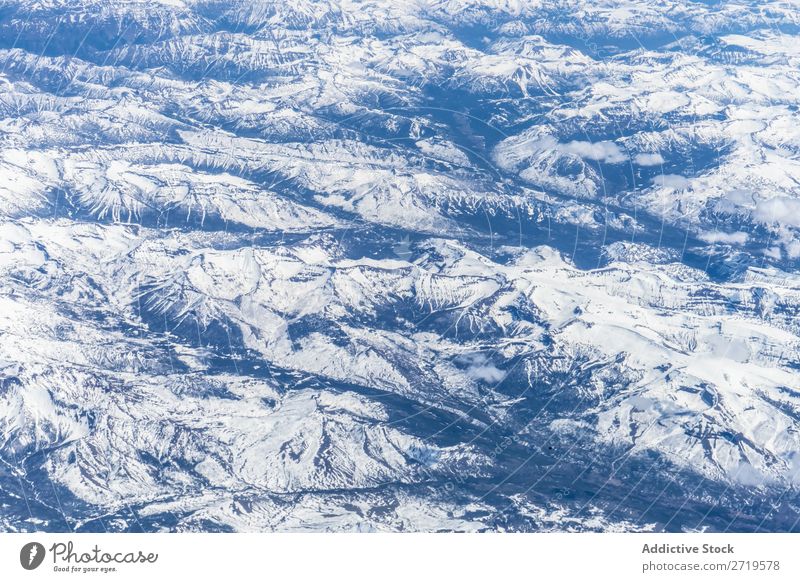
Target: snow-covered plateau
<point x="430" y="265"/>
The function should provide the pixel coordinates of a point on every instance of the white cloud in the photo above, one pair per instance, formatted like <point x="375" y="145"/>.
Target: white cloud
<point x="600" y="151"/>
<point x="648" y="159"/>
<point x="748" y="475"/>
<point x="489" y="373"/>
<point x="480" y="368"/>
<point x="732" y="238"/>
<point x="666" y="101"/>
<point x="779" y="210"/>
<point x="793" y="249"/>
<point x="671" y="181"/>
<point x="794" y="468"/>
<point x="510" y="153"/>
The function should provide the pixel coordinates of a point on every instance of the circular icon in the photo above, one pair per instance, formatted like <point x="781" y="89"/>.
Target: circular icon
<point x="31" y="555"/>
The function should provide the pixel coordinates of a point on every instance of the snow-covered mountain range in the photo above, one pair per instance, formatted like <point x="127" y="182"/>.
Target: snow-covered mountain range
<point x="495" y="265"/>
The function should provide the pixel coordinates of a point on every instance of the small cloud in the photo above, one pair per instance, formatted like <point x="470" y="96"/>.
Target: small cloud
<point x="747" y="475"/>
<point x="673" y="181"/>
<point x="481" y="368"/>
<point x="780" y="210"/>
<point x="601" y="151"/>
<point x="648" y="159"/>
<point x="794" y="468"/>
<point x="489" y="374"/>
<point x="792" y="249"/>
<point x="729" y="238"/>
